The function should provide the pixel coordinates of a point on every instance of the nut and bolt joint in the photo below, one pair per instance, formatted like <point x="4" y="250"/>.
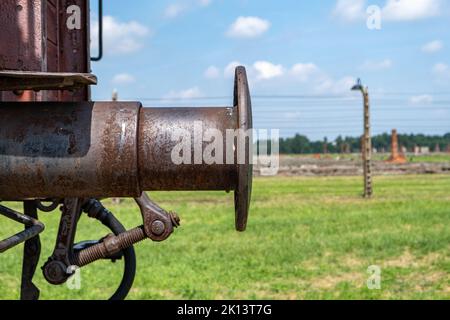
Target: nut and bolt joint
<point x="158" y="227"/>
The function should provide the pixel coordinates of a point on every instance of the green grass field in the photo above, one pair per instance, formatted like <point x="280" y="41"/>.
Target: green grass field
<point x="308" y="238"/>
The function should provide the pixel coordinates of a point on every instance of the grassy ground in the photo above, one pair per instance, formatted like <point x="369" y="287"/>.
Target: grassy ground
<point x="440" y="158"/>
<point x="307" y="238"/>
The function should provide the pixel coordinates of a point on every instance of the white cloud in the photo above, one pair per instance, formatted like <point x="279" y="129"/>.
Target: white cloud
<point x="174" y="10"/>
<point x="433" y="46"/>
<point x="406" y="10"/>
<point x="350" y="10"/>
<point x="393" y="10"/>
<point x="248" y="27"/>
<point x="304" y="71"/>
<point x="212" y="72"/>
<point x="441" y="69"/>
<point x="266" y="70"/>
<point x="442" y="72"/>
<point x="123" y="79"/>
<point x="229" y="70"/>
<point x="422" y="99"/>
<point x="319" y="81"/>
<point x="309" y="74"/>
<point x="204" y="3"/>
<point x="327" y="85"/>
<point x="371" y="65"/>
<point x="191" y="93"/>
<point x="120" y="37"/>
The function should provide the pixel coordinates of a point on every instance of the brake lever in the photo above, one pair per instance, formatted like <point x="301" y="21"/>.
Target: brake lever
<point x="56" y="270"/>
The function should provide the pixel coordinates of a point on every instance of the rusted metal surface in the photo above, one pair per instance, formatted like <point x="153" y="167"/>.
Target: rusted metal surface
<point x="158" y="223"/>
<point x="31" y="254"/>
<point x="243" y="192"/>
<point x="73" y="46"/>
<point x="22" y="28"/>
<point x="156" y="137"/>
<point x="28" y="80"/>
<point x="52" y="150"/>
<point x="34" y="227"/>
<point x="109" y="246"/>
<point x="39" y="41"/>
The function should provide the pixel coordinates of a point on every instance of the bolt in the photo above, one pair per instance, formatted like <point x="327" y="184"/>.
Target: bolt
<point x="55" y="272"/>
<point x="158" y="227"/>
<point x="175" y="219"/>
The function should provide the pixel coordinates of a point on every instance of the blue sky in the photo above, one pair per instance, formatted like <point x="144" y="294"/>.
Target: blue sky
<point x="181" y="52"/>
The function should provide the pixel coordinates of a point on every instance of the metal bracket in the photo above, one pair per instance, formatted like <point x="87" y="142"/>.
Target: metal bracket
<point x="56" y="269"/>
<point x="30" y="80"/>
<point x="31" y="254"/>
<point x="35" y="227"/>
<point x="158" y="223"/>
<point x="32" y="248"/>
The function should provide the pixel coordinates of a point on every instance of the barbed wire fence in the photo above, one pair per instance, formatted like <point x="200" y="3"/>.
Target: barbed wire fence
<point x="319" y="116"/>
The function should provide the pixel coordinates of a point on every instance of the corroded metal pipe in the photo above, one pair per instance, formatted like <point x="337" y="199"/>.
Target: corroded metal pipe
<point x="156" y="168"/>
<point x="104" y="149"/>
<point x="56" y="150"/>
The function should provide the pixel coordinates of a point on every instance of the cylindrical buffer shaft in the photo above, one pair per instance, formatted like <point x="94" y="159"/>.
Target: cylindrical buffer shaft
<point x="186" y="149"/>
<point x="108" y="149"/>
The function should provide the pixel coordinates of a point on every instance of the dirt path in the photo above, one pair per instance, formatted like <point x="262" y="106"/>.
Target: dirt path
<point x="334" y="166"/>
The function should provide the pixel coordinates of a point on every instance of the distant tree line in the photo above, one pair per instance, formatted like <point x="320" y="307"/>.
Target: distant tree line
<point x="300" y="144"/>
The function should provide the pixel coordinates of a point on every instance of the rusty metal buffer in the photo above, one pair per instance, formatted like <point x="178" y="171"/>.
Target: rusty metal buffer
<point x="74" y="153"/>
<point x="71" y="153"/>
